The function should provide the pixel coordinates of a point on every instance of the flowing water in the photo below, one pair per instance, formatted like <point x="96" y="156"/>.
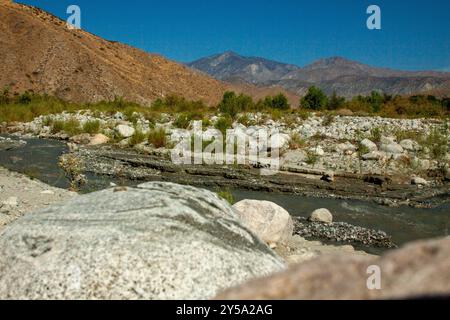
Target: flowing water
<point x="39" y="159"/>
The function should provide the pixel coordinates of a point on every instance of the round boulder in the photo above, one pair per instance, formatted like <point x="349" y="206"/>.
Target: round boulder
<point x="156" y="241"/>
<point x="322" y="215"/>
<point x="98" y="139"/>
<point x="266" y="219"/>
<point x="125" y="131"/>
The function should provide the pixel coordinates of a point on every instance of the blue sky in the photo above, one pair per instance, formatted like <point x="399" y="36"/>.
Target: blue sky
<point x="415" y="34"/>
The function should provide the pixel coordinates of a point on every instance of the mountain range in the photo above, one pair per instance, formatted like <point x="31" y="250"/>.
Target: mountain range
<point x="39" y="53"/>
<point x="336" y="74"/>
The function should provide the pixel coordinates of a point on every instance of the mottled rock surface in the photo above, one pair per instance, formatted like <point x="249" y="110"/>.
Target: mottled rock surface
<point x="420" y="269"/>
<point x="156" y="241"/>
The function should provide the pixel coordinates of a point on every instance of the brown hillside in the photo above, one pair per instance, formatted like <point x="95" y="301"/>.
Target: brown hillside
<point x="39" y="53"/>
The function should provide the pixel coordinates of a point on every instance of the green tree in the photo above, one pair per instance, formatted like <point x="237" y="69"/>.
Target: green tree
<point x="279" y="102"/>
<point x="315" y="99"/>
<point x="376" y="100"/>
<point x="232" y="104"/>
<point x="335" y="102"/>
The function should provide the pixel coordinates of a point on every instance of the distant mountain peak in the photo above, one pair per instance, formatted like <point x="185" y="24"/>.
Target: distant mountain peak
<point x="334" y="61"/>
<point x="346" y="77"/>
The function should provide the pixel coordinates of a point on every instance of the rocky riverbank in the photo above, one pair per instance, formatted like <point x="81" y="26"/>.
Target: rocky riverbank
<point x="20" y="194"/>
<point x="167" y="241"/>
<point x="390" y="161"/>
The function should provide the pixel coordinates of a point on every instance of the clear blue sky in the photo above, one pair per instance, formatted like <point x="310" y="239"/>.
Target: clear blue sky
<point x="415" y="34"/>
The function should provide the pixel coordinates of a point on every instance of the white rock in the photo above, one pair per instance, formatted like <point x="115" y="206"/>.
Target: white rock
<point x="98" y="139"/>
<point x="392" y="147"/>
<point x="47" y="192"/>
<point x="345" y="147"/>
<point x="125" y="131"/>
<point x="11" y="201"/>
<point x="369" y="145"/>
<point x="387" y="140"/>
<point x="322" y="215"/>
<point x="266" y="219"/>
<point x="318" y="151"/>
<point x="409" y="145"/>
<point x="279" y="140"/>
<point x="419" y="181"/>
<point x="147" y="243"/>
<point x="374" y="155"/>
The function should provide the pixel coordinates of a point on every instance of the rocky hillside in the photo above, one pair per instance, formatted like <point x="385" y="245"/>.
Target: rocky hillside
<point x="38" y="52"/>
<point x="347" y="78"/>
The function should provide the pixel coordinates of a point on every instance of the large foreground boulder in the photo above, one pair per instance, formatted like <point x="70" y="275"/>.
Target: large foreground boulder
<point x="266" y="219"/>
<point x="156" y="241"/>
<point x="418" y="270"/>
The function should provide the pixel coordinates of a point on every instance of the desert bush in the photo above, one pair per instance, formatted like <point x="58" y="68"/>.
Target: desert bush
<point x="375" y="134"/>
<point x="296" y="142"/>
<point x="71" y="127"/>
<point x="436" y="142"/>
<point x="227" y="196"/>
<point x="223" y="123"/>
<point x="91" y="127"/>
<point x="137" y="138"/>
<point x="182" y="121"/>
<point x="406" y="134"/>
<point x="157" y="137"/>
<point x="311" y="157"/>
<point x="328" y="119"/>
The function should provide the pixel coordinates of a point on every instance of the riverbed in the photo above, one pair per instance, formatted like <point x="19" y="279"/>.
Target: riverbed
<point x="39" y="159"/>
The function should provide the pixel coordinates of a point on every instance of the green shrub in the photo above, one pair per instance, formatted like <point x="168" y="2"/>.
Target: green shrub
<point x="279" y="102"/>
<point x="223" y="123"/>
<point x="375" y="134"/>
<point x="227" y="196"/>
<point x="57" y="126"/>
<point x="315" y="99"/>
<point x="91" y="127"/>
<point x="335" y="102"/>
<point x="182" y="121"/>
<point x="311" y="157"/>
<point x="158" y="138"/>
<point x="437" y="143"/>
<point x="137" y="138"/>
<point x="328" y="119"/>
<point x="232" y="104"/>
<point x="71" y="127"/>
<point x="296" y="142"/>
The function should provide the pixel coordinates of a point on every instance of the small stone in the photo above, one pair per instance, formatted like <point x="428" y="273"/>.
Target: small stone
<point x="322" y="215"/>
<point x="83" y="138"/>
<point x="11" y="201"/>
<point x="409" y="145"/>
<point x="392" y="147"/>
<point x="328" y="177"/>
<point x="369" y="145"/>
<point x="419" y="181"/>
<point x="98" y="139"/>
<point x="318" y="151"/>
<point x="125" y="130"/>
<point x="374" y="155"/>
<point x="47" y="192"/>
